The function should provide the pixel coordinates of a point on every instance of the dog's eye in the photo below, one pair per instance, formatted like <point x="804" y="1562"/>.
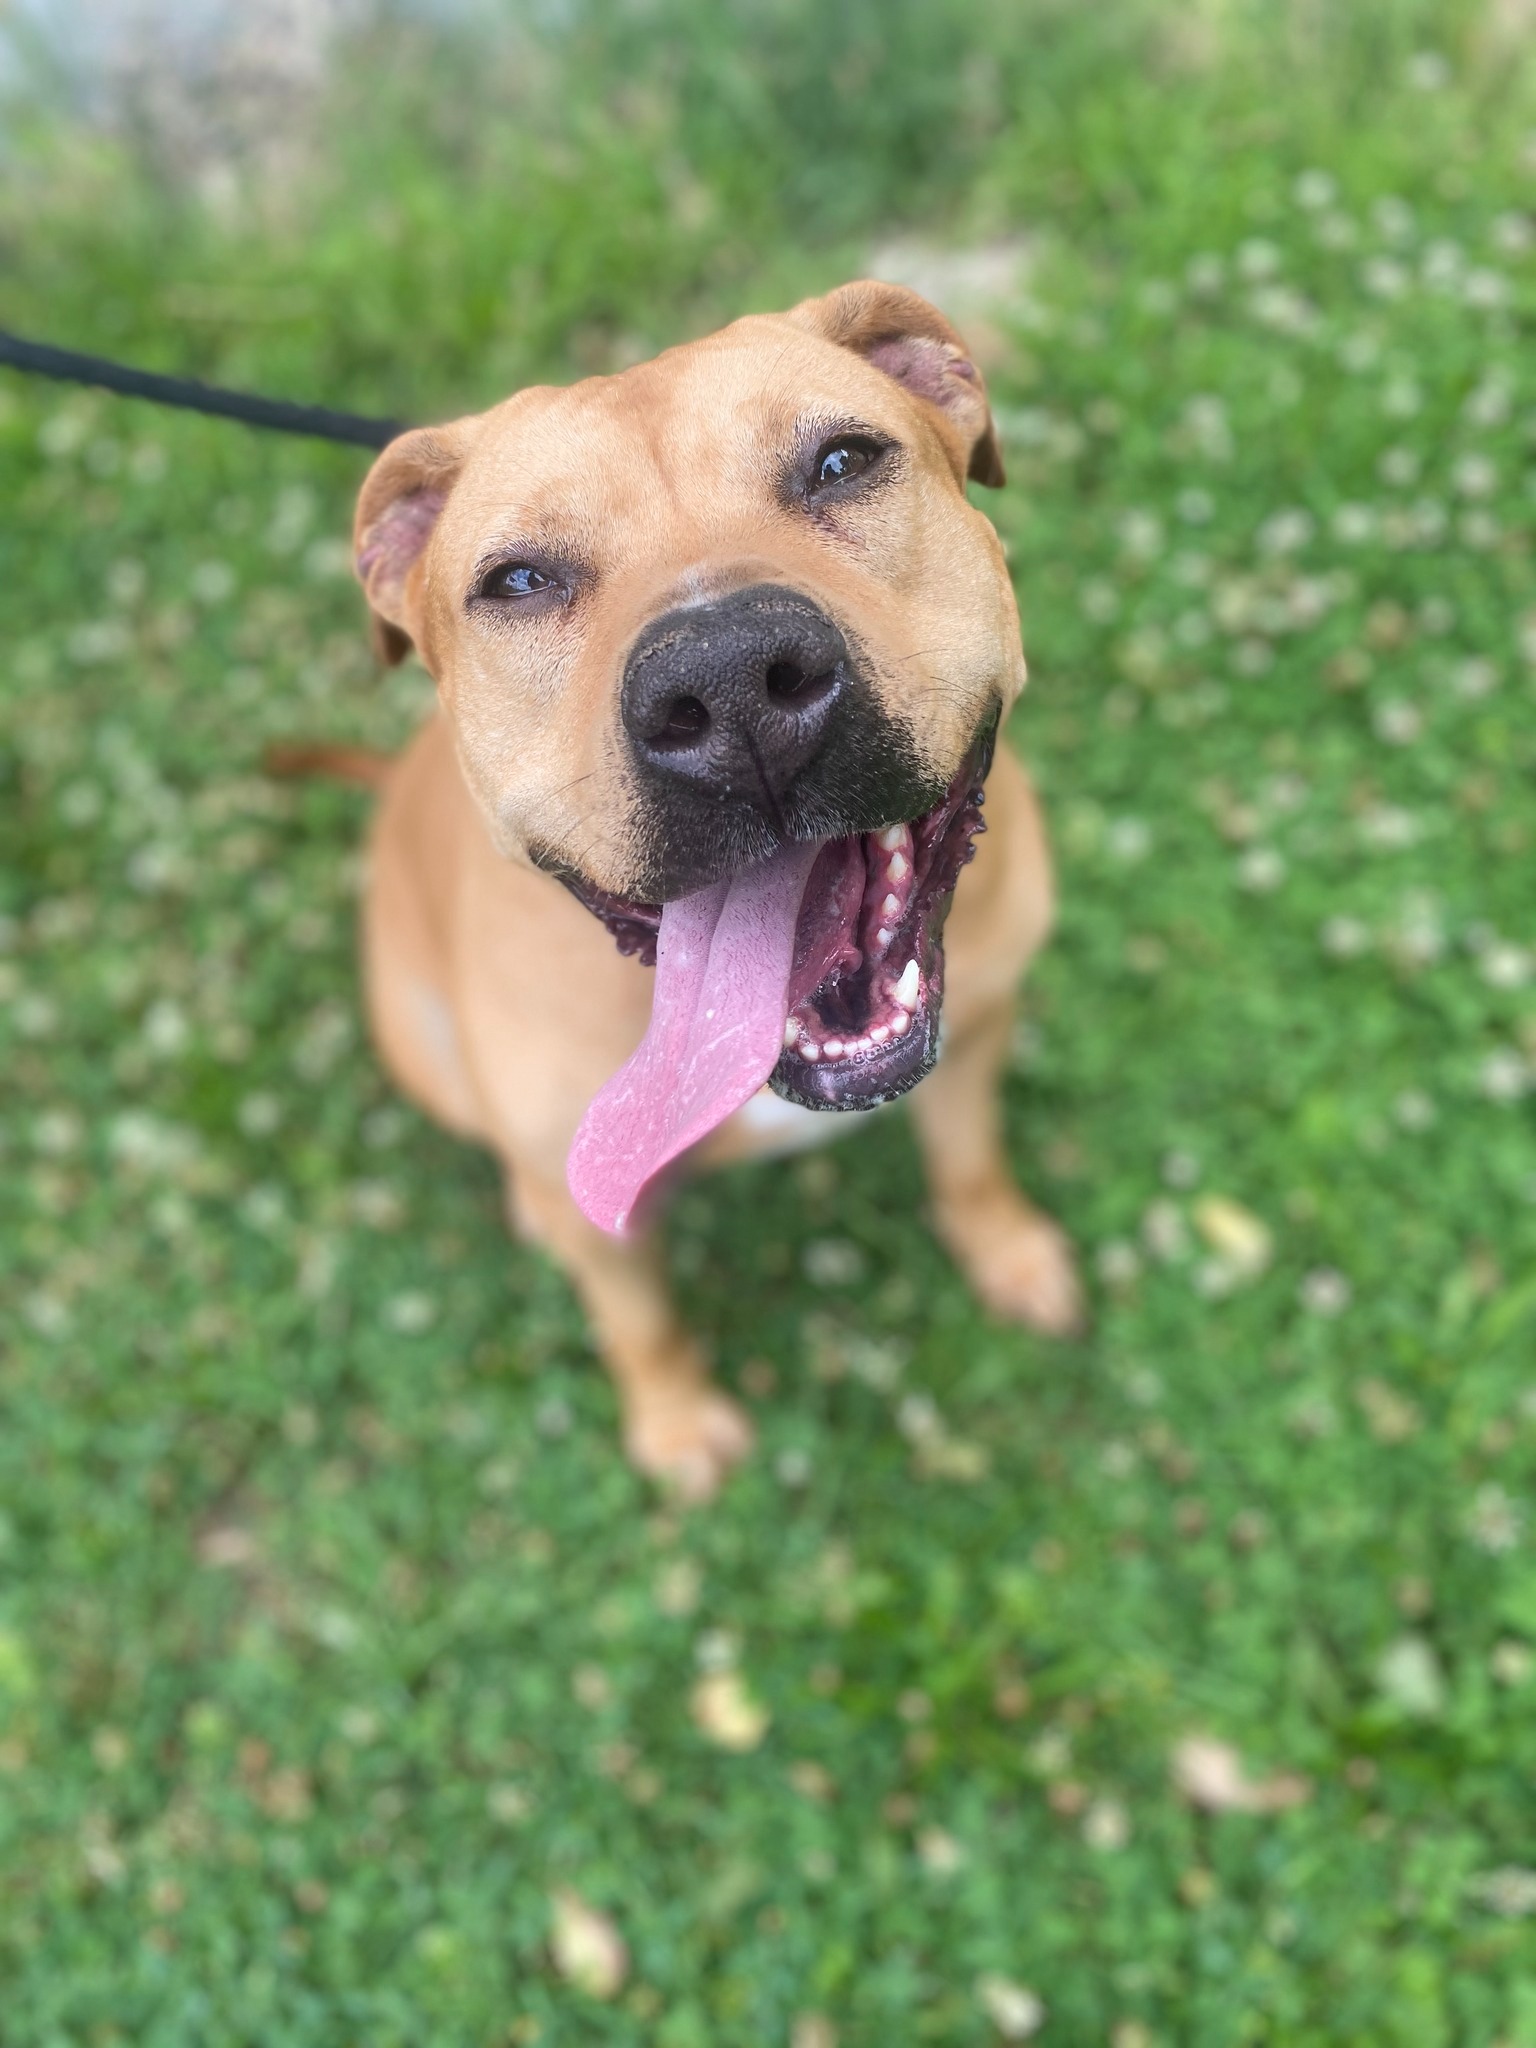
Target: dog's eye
<point x="516" y="579"/>
<point x="843" y="459"/>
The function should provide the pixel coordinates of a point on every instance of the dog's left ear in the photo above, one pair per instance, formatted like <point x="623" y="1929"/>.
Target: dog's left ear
<point x="900" y="333"/>
<point x="397" y="508"/>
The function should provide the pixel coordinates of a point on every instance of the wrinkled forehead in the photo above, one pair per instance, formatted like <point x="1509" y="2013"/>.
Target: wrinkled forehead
<point x="686" y="437"/>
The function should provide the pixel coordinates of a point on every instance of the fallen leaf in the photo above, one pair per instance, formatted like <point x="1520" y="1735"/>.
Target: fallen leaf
<point x="1410" y="1677"/>
<point x="1240" y="1239"/>
<point x="1016" y="2011"/>
<point x="587" y="1948"/>
<point x="725" y="1711"/>
<point x="1210" y="1775"/>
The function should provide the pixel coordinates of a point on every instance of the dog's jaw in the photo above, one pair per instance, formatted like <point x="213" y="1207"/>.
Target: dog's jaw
<point x="864" y="1001"/>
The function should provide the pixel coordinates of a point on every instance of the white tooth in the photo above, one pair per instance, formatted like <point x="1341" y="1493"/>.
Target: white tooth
<point x="791" y="1030"/>
<point x="892" y="837"/>
<point x="891" y="907"/>
<point x="810" y="1051"/>
<point x="901" y="1024"/>
<point x="833" y="1048"/>
<point x="906" y="990"/>
<point x="897" y="867"/>
<point x="883" y="938"/>
<point x="880" y="1034"/>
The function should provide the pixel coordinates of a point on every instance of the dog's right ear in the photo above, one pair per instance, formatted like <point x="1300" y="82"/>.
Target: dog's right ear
<point x="397" y="509"/>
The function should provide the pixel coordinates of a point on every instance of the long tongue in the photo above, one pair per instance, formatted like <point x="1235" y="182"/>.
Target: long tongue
<point x="717" y="1028"/>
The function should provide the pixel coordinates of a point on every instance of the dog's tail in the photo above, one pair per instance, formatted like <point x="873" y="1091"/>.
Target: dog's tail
<point x="291" y="759"/>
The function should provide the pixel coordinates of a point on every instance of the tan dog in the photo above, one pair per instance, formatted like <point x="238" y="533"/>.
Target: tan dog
<point x="721" y="650"/>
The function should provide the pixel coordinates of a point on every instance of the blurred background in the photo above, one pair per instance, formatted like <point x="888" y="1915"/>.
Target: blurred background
<point x="1175" y="1687"/>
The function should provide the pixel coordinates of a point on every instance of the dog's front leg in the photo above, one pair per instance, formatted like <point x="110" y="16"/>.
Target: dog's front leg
<point x="678" y="1427"/>
<point x="1017" y="1260"/>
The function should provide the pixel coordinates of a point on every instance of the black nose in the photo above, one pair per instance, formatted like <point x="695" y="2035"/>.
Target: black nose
<point x="734" y="697"/>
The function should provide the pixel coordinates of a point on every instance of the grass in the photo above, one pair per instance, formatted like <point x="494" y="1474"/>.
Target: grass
<point x="335" y="1639"/>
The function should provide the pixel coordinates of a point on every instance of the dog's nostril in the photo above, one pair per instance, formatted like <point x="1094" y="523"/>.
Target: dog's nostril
<point x="787" y="683"/>
<point x="686" y="720"/>
<point x="785" y="679"/>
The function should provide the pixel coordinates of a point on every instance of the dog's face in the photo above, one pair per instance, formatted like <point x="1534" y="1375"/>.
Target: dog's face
<point x="729" y="600"/>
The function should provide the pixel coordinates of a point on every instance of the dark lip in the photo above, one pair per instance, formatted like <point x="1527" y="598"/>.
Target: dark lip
<point x="943" y="836"/>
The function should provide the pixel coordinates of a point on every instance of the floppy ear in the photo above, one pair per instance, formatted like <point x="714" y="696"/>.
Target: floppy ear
<point x="911" y="341"/>
<point x="397" y="509"/>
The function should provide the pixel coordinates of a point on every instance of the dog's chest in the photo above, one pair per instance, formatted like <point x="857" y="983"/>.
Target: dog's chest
<point x="767" y="1124"/>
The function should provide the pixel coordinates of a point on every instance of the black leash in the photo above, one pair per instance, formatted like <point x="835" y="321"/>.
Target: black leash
<point x="285" y="418"/>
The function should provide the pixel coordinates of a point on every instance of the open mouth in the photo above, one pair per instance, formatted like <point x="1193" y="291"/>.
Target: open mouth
<point x="867" y="983"/>
<point x="819" y="971"/>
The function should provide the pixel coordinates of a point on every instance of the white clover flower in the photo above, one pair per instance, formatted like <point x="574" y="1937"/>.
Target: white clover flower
<point x="1397" y="722"/>
<point x="1106" y="1825"/>
<point x="1257" y="258"/>
<point x="1195" y="506"/>
<point x="1503" y="1076"/>
<point x="941" y="1855"/>
<point x="1428" y="71"/>
<point x="1444" y="265"/>
<point x="1384" y="277"/>
<point x="1495" y="1520"/>
<point x="1479" y="529"/>
<point x="1506" y="966"/>
<point x="98" y="641"/>
<point x="1485" y="289"/>
<point x="1402" y="398"/>
<point x="1353" y="524"/>
<point x="1513" y="234"/>
<point x="1388" y="828"/>
<point x="1475" y="476"/>
<point x="1399" y="466"/>
<point x="1414" y="1110"/>
<point x="1205" y="275"/>
<point x="1325" y="1292"/>
<point x="1474" y="678"/>
<point x="166" y="1029"/>
<point x="260" y="1114"/>
<point x="410" y="1313"/>
<point x="1393" y="218"/>
<point x="832" y="1262"/>
<point x="1207" y="427"/>
<point x="1118" y="1262"/>
<point x="1337" y="231"/>
<point x="1099" y="600"/>
<point x="1261" y="869"/>
<point x="57" y="1132"/>
<point x="1141" y="534"/>
<point x="1345" y="938"/>
<point x="1253" y="657"/>
<point x="1509" y="1891"/>
<point x="1488" y="404"/>
<point x="1315" y="190"/>
<point x="212" y="583"/>
<point x="1128" y="839"/>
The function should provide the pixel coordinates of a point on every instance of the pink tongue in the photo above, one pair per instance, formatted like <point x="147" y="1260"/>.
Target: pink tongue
<point x="716" y="1032"/>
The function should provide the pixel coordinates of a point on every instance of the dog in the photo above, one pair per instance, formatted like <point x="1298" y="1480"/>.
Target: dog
<point x="670" y="878"/>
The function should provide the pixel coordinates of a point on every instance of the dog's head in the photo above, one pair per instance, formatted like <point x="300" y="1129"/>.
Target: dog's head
<point x="729" y="601"/>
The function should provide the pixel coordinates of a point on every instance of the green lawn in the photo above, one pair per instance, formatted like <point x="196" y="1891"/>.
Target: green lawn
<point x="336" y="1641"/>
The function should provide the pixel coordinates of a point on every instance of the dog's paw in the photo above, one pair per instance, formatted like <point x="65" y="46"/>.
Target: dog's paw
<point x="1021" y="1267"/>
<point x="687" y="1441"/>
